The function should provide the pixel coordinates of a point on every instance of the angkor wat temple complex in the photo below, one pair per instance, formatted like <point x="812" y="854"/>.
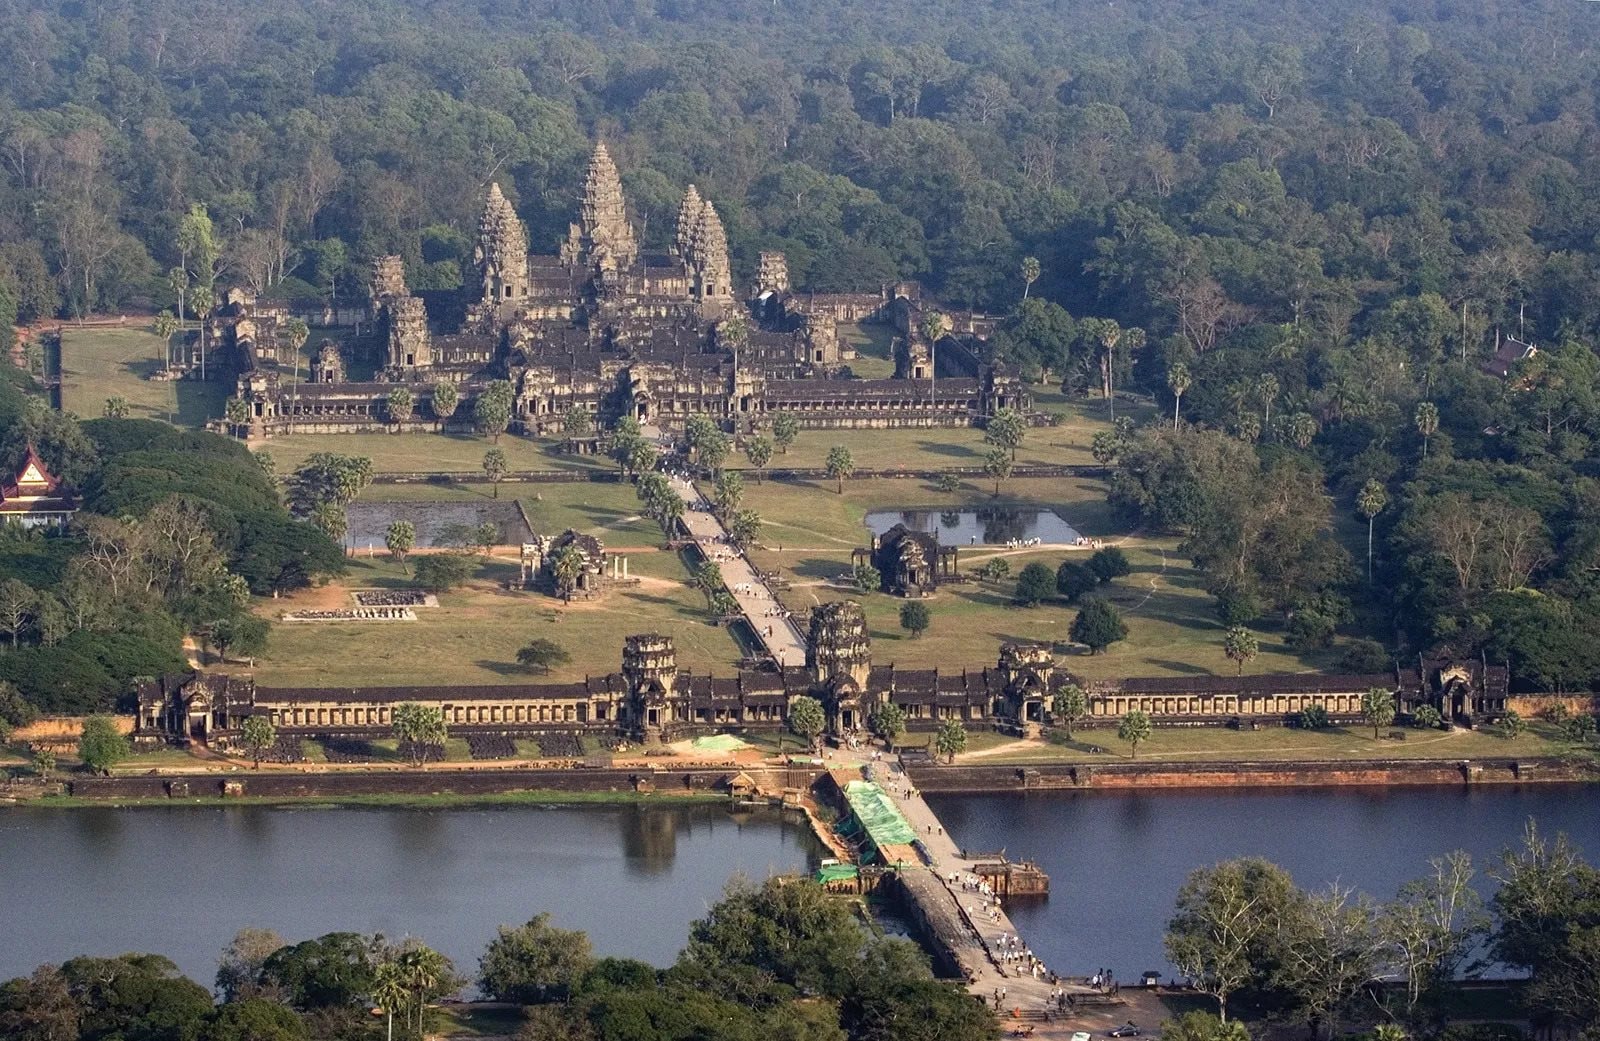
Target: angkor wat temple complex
<point x="651" y="698"/>
<point x="603" y="326"/>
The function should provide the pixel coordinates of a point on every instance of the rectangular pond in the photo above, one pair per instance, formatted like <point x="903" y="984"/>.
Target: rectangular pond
<point x="438" y="523"/>
<point x="990" y="526"/>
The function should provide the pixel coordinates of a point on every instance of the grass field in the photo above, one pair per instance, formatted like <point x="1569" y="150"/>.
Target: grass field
<point x="97" y="364"/>
<point x="610" y="511"/>
<point x="1274" y="744"/>
<point x="426" y="452"/>
<point x="873" y="344"/>
<point x="1172" y="627"/>
<point x="473" y="636"/>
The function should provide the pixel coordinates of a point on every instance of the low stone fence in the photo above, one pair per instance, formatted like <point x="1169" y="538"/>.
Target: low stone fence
<point x="789" y="473"/>
<point x="574" y="476"/>
<point x="336" y="783"/>
<point x="1128" y="775"/>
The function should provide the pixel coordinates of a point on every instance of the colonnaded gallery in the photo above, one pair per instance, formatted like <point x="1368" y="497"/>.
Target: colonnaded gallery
<point x="605" y="327"/>
<point x="652" y="699"/>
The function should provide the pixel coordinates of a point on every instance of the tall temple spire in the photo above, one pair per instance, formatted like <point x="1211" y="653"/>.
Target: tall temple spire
<point x="688" y="221"/>
<point x="602" y="236"/>
<point x="502" y="250"/>
<point x="709" y="257"/>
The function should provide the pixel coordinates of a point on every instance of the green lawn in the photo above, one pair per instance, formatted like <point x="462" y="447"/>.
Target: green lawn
<point x="416" y="452"/>
<point x="1067" y="444"/>
<point x="1277" y="744"/>
<point x="809" y="532"/>
<point x="473" y="636"/>
<point x="873" y="343"/>
<point x="97" y="364"/>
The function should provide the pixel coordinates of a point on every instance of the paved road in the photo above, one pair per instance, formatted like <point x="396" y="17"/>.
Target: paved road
<point x="778" y="634"/>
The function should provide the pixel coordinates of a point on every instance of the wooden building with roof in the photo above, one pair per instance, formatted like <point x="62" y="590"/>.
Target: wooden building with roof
<point x="36" y="498"/>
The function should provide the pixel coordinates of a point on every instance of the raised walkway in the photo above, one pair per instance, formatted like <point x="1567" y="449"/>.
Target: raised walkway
<point x="777" y="633"/>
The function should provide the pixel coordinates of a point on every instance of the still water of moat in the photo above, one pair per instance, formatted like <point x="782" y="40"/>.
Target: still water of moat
<point x="1116" y="860"/>
<point x="182" y="880"/>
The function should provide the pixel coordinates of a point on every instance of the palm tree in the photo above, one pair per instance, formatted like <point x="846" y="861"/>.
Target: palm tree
<point x="1427" y="420"/>
<point x="1030" y="274"/>
<point x="565" y="567"/>
<point x="1370" y="501"/>
<point x="934" y="328"/>
<point x="1267" y="389"/>
<point x="389" y="989"/>
<point x="1178" y="381"/>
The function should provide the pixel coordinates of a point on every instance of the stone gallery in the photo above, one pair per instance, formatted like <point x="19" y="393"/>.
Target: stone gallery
<point x="607" y="328"/>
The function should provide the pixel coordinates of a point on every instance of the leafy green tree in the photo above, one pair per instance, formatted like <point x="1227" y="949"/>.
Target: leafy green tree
<point x="1068" y="705"/>
<point x="333" y="971"/>
<point x="1110" y="564"/>
<point x="534" y="962"/>
<point x="1370" y="502"/>
<point x="44" y="762"/>
<point x="236" y="413"/>
<point x="566" y="567"/>
<point x="258" y="735"/>
<point x="101" y="745"/>
<point x="419" y="725"/>
<point x="839" y="465"/>
<point x="727" y="491"/>
<point x="948" y="483"/>
<point x="915" y="618"/>
<point x="867" y="579"/>
<point x="785" y="428"/>
<point x="1202" y="1026"/>
<point x="492" y="411"/>
<point x="495" y="468"/>
<point x="399" y="405"/>
<point x="1377" y="708"/>
<point x="542" y="654"/>
<point x="888" y="722"/>
<point x="116" y="408"/>
<point x="1313" y="717"/>
<point x="997" y="466"/>
<point x="243" y="633"/>
<point x="1512" y="725"/>
<point x="806" y="719"/>
<point x="444" y="399"/>
<point x="714" y="450"/>
<point x="1006" y="429"/>
<point x="758" y="450"/>
<point x="1426" y="717"/>
<point x="1224" y="919"/>
<point x="256" y="1019"/>
<point x="1134" y="728"/>
<point x="1098" y="625"/>
<point x="135" y="996"/>
<point x="1074" y="578"/>
<point x="744" y="528"/>
<point x="994" y="569"/>
<point x="1579" y="728"/>
<point x="400" y="539"/>
<point x="442" y="572"/>
<point x="723" y="604"/>
<point x="328" y="478"/>
<point x="950" y="740"/>
<point x="577" y="423"/>
<point x="1240" y="645"/>
<point x="1035" y="584"/>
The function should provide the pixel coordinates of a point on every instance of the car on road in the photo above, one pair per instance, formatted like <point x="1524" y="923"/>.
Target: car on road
<point x="1126" y="1030"/>
<point x="1081" y="1035"/>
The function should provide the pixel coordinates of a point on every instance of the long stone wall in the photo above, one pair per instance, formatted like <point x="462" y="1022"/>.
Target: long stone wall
<point x="1141" y="776"/>
<point x="286" y="785"/>
<point x="1534" y="706"/>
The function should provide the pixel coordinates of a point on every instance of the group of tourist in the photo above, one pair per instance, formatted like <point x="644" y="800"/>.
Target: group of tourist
<point x="1023" y="543"/>
<point x="1088" y="543"/>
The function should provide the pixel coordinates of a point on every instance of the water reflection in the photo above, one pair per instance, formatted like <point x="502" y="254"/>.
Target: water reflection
<point x="992" y="525"/>
<point x="650" y="839"/>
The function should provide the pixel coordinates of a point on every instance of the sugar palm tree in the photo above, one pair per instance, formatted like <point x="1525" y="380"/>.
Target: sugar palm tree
<point x="1178" y="381"/>
<point x="1370" y="501"/>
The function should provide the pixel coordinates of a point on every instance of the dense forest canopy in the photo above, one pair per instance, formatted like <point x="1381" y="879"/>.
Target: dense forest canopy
<point x="1300" y="226"/>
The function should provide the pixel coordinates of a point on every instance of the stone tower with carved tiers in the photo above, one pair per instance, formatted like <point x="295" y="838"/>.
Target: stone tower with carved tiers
<point x="502" y="250"/>
<point x="713" y="276"/>
<point x="838" y="644"/>
<point x="688" y="222"/>
<point x="388" y="282"/>
<point x="650" y="668"/>
<point x="410" y="346"/>
<point x="602" y="238"/>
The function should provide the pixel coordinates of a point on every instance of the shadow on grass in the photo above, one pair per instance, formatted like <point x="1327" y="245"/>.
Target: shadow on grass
<point x="953" y="451"/>
<point x="198" y="402"/>
<point x="511" y="668"/>
<point x="1185" y="668"/>
<point x="819" y="568"/>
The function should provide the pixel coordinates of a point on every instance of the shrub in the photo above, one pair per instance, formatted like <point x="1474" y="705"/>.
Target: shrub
<point x="1313" y="717"/>
<point x="1074" y="579"/>
<point x="1109" y="564"/>
<point x="1310" y="630"/>
<point x="1035" y="584"/>
<point x="1426" y="717"/>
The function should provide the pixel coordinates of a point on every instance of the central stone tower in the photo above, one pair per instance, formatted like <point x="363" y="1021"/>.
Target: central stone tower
<point x="837" y="645"/>
<point x="650" y="668"/>
<point x="602" y="238"/>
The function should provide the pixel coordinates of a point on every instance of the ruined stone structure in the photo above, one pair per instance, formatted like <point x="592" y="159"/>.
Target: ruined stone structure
<point x="594" y="569"/>
<point x="910" y="563"/>
<point x="651" y="698"/>
<point x="607" y="326"/>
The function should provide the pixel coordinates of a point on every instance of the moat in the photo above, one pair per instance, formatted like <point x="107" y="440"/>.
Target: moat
<point x="182" y="880"/>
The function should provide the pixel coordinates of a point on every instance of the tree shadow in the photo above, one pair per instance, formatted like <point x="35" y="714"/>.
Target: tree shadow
<point x="821" y="568"/>
<point x="510" y="668"/>
<point x="1185" y="668"/>
<point x="953" y="451"/>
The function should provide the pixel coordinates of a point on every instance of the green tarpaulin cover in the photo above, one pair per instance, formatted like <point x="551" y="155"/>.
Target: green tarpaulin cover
<point x="884" y="824"/>
<point x="718" y="743"/>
